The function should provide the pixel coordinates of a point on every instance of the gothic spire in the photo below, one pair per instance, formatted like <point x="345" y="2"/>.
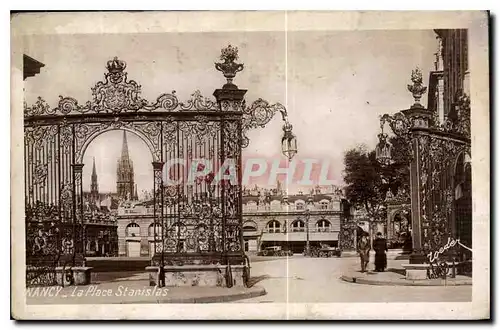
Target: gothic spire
<point x="125" y="173"/>
<point x="124" y="146"/>
<point x="94" y="187"/>
<point x="94" y="173"/>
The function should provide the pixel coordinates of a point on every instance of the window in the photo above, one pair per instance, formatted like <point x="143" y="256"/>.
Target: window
<point x="323" y="205"/>
<point x="273" y="227"/>
<point x="133" y="230"/>
<point x="298" y="226"/>
<point x="300" y="206"/>
<point x="151" y="230"/>
<point x="323" y="225"/>
<point x="249" y="226"/>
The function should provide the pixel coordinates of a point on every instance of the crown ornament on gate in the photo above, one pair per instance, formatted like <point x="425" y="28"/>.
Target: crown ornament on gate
<point x="229" y="67"/>
<point x="115" y="70"/>
<point x="417" y="89"/>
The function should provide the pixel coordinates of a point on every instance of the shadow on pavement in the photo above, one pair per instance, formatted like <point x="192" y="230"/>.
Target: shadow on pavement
<point x="101" y="277"/>
<point x="256" y="279"/>
<point x="397" y="271"/>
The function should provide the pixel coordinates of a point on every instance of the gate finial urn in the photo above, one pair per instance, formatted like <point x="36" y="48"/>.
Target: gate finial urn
<point x="229" y="67"/>
<point x="417" y="89"/>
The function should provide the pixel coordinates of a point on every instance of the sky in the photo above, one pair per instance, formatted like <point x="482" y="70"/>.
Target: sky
<point x="334" y="84"/>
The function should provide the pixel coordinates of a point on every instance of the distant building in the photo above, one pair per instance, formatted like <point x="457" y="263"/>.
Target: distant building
<point x="99" y="212"/>
<point x="273" y="218"/>
<point x="270" y="217"/>
<point x="135" y="229"/>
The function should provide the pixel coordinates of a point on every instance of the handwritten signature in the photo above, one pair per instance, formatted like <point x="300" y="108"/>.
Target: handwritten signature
<point x="451" y="243"/>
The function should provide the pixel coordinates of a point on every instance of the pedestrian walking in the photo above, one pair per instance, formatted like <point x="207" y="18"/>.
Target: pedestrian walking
<point x="380" y="247"/>
<point x="364" y="251"/>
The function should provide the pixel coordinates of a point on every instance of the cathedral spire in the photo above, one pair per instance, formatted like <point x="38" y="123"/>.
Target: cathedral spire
<point x="94" y="173"/>
<point x="124" y="146"/>
<point x="125" y="173"/>
<point x="94" y="187"/>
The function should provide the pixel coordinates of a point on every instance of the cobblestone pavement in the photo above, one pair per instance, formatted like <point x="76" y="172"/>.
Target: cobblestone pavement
<point x="309" y="280"/>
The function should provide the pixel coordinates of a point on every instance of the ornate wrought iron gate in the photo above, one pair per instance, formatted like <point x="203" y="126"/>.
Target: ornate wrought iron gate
<point x="197" y="220"/>
<point x="437" y="188"/>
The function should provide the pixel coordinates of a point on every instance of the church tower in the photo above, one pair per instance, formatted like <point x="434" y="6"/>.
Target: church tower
<point x="94" y="188"/>
<point x="125" y="173"/>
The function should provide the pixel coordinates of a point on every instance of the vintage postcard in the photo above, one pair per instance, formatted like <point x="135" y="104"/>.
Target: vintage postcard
<point x="260" y="165"/>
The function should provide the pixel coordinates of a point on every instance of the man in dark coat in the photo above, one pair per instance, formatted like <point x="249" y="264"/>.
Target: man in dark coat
<point x="380" y="247"/>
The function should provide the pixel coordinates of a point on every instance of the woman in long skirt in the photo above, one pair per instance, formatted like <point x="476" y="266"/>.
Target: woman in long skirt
<point x="380" y="247"/>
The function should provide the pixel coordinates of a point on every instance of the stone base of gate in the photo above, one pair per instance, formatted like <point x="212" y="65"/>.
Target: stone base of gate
<point x="419" y="271"/>
<point x="416" y="271"/>
<point x="77" y="275"/>
<point x="197" y="275"/>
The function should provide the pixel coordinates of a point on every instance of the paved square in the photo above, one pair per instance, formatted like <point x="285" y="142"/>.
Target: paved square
<point x="300" y="279"/>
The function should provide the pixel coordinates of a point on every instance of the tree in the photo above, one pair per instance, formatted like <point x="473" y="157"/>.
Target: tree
<point x="365" y="184"/>
<point x="367" y="181"/>
<point x="398" y="172"/>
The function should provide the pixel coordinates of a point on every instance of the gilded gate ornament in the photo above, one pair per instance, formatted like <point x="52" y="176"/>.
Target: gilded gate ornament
<point x="229" y="67"/>
<point x="417" y="88"/>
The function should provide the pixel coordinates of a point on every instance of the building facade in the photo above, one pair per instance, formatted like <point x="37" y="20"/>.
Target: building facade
<point x="136" y="235"/>
<point x="273" y="218"/>
<point x="270" y="218"/>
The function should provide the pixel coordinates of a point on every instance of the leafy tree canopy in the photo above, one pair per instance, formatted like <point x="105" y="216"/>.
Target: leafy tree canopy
<point x="367" y="181"/>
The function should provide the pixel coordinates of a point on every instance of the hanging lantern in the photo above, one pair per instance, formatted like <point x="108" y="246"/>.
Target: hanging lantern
<point x="288" y="142"/>
<point x="383" y="150"/>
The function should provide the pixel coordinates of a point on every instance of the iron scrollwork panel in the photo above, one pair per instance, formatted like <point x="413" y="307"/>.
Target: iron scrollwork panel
<point x="231" y="185"/>
<point x="53" y="201"/>
<point x="436" y="188"/>
<point x="158" y="221"/>
<point x="149" y="132"/>
<point x="42" y="210"/>
<point x="193" y="213"/>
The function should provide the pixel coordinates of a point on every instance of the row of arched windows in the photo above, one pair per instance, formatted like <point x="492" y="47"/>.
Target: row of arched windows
<point x="299" y="204"/>
<point x="274" y="226"/>
<point x="133" y="230"/>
